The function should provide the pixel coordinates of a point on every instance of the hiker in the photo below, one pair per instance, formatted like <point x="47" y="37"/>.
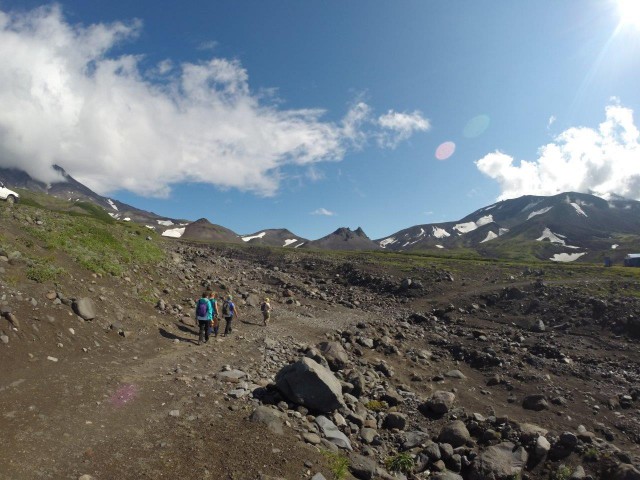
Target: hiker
<point x="204" y="314"/>
<point x="229" y="312"/>
<point x="266" y="311"/>
<point x="215" y="320"/>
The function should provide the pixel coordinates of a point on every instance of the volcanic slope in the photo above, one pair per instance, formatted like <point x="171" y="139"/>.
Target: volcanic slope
<point x="344" y="239"/>
<point x="275" y="237"/>
<point x="568" y="224"/>
<point x="443" y="365"/>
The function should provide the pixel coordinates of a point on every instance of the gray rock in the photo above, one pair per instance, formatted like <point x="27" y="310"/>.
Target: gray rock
<point x="332" y="433"/>
<point x="368" y="435"/>
<point x="414" y="439"/>
<point x="626" y="472"/>
<point x="538" y="327"/>
<point x="455" y="374"/>
<point x="312" y="438"/>
<point x="394" y="420"/>
<point x="500" y="462"/>
<point x="362" y="467"/>
<point x="84" y="308"/>
<point x="578" y="473"/>
<point x="535" y="402"/>
<point x="309" y="384"/>
<point x="270" y="417"/>
<point x="542" y="447"/>
<point x="335" y="355"/>
<point x="231" y="376"/>
<point x="4" y="339"/>
<point x="439" y="403"/>
<point x="455" y="434"/>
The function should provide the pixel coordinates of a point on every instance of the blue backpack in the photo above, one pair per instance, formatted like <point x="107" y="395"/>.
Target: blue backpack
<point x="202" y="309"/>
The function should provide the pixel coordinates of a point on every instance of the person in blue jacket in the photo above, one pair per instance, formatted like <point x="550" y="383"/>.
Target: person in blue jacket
<point x="204" y="314"/>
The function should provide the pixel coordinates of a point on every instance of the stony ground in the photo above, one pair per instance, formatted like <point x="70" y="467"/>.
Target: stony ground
<point x="484" y="372"/>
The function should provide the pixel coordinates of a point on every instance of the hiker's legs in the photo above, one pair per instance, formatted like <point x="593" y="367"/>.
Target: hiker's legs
<point x="203" y="328"/>
<point x="207" y="330"/>
<point x="216" y="326"/>
<point x="265" y="318"/>
<point x="227" y="326"/>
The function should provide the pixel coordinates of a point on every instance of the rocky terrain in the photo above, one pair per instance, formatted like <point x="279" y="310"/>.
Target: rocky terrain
<point x="376" y="365"/>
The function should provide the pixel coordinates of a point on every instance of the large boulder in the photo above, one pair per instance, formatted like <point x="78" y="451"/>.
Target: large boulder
<point x="439" y="403"/>
<point x="84" y="308"/>
<point x="500" y="462"/>
<point x="455" y="434"/>
<point x="335" y="355"/>
<point x="310" y="384"/>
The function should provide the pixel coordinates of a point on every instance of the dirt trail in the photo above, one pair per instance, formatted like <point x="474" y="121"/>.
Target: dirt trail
<point x="108" y="415"/>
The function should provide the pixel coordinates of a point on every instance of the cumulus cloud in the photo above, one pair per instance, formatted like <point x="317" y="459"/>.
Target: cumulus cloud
<point x="400" y="126"/>
<point x="603" y="161"/>
<point x="67" y="100"/>
<point x="324" y="212"/>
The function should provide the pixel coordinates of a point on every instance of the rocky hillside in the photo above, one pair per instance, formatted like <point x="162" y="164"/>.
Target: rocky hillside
<point x="344" y="239"/>
<point x="275" y="237"/>
<point x="373" y="366"/>
<point x="564" y="227"/>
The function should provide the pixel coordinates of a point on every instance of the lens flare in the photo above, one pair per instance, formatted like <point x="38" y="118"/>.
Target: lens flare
<point x="445" y="150"/>
<point x="476" y="126"/>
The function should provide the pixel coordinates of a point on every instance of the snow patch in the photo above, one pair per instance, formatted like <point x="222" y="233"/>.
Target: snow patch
<point x="421" y="232"/>
<point x="484" y="220"/>
<point x="387" y="241"/>
<point x="127" y="219"/>
<point x="289" y="241"/>
<point x="547" y="234"/>
<point x="502" y="231"/>
<point x="150" y="227"/>
<point x="113" y="205"/>
<point x="578" y="209"/>
<point x="114" y="215"/>
<point x="299" y="245"/>
<point x="165" y="223"/>
<point x="490" y="236"/>
<point x="613" y="247"/>
<point x="439" y="246"/>
<point x="440" y="232"/>
<point x="260" y="235"/>
<point x="566" y="257"/>
<point x="173" y="233"/>
<point x="530" y="206"/>
<point x="538" y="212"/>
<point x="466" y="227"/>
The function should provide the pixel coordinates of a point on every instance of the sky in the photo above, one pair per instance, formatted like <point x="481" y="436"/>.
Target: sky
<point x="314" y="115"/>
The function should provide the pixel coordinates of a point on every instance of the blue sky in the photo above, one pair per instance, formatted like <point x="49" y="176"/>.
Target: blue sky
<point x="313" y="115"/>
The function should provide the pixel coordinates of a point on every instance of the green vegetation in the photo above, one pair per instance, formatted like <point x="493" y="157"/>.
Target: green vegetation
<point x="376" y="405"/>
<point x="85" y="232"/>
<point x="42" y="270"/>
<point x="562" y="473"/>
<point x="401" y="462"/>
<point x="591" y="455"/>
<point x="338" y="463"/>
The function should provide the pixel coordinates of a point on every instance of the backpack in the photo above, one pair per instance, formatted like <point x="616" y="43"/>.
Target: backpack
<point x="202" y="308"/>
<point x="226" y="309"/>
<point x="263" y="307"/>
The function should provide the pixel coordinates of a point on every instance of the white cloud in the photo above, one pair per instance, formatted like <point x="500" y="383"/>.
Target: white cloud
<point x="66" y="100"/>
<point x="602" y="161"/>
<point x="323" y="211"/>
<point x="551" y="121"/>
<point x="400" y="126"/>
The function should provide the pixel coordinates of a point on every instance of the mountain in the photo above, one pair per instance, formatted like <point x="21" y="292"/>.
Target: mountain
<point x="563" y="227"/>
<point x="71" y="190"/>
<point x="204" y="231"/>
<point x="275" y="237"/>
<point x="344" y="239"/>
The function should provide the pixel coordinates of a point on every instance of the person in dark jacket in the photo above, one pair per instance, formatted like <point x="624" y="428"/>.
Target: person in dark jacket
<point x="229" y="312"/>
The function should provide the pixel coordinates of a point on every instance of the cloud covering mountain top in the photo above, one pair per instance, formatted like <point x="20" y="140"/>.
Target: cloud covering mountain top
<point x="112" y="125"/>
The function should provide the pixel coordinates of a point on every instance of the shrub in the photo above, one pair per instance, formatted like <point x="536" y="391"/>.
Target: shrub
<point x="562" y="473"/>
<point x="376" y="405"/>
<point x="42" y="271"/>
<point x="402" y="462"/>
<point x="338" y="463"/>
